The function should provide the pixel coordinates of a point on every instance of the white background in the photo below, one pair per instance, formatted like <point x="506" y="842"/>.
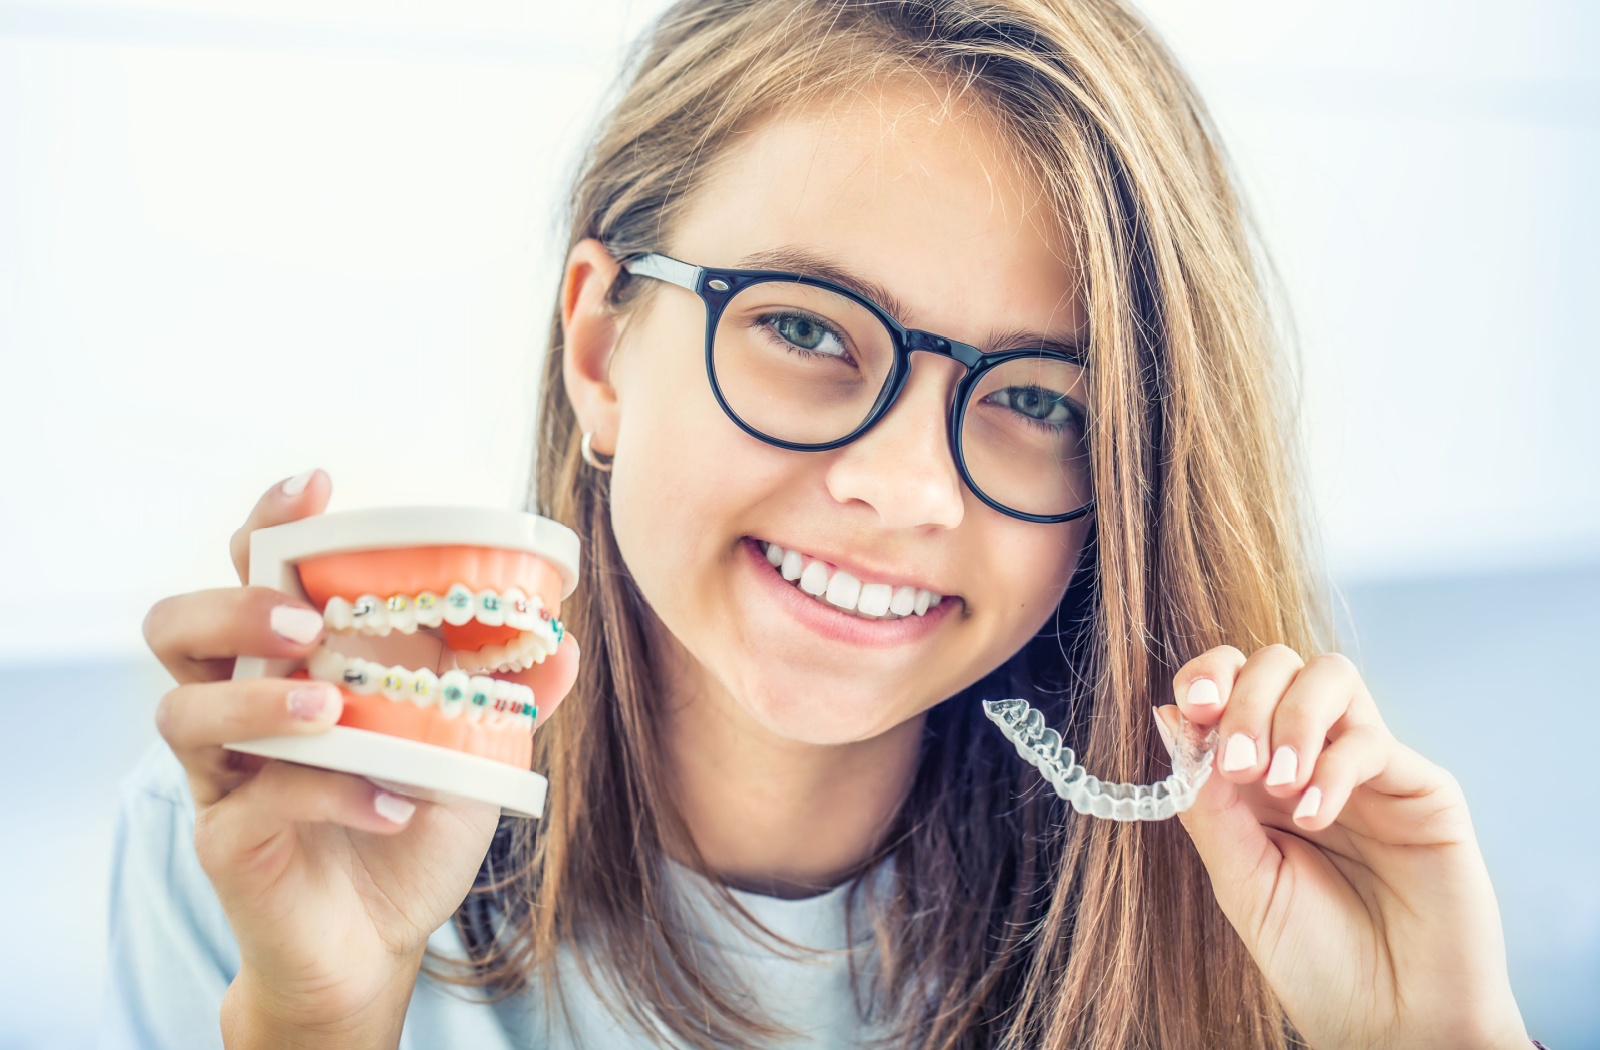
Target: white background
<point x="239" y="238"/>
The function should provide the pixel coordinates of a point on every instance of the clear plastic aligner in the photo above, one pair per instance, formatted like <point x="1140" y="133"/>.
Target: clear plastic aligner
<point x="1041" y="746"/>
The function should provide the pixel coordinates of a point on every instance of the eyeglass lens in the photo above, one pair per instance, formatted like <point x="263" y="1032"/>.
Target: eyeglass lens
<point x="806" y="365"/>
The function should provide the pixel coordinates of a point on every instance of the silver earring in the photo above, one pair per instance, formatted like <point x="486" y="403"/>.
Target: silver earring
<point x="593" y="458"/>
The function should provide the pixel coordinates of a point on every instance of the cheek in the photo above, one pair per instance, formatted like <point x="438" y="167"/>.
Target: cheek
<point x="683" y="475"/>
<point x="1033" y="564"/>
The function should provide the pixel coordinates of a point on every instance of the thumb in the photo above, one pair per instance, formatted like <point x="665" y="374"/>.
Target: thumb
<point x="1240" y="858"/>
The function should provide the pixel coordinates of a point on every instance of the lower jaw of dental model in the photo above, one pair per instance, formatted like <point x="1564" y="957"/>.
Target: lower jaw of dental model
<point x="424" y="642"/>
<point x="1041" y="747"/>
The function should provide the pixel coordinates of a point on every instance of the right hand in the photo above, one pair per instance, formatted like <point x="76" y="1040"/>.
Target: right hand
<point x="331" y="885"/>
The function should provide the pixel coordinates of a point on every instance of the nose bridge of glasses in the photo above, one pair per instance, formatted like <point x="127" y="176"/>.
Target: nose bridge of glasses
<point x="928" y="342"/>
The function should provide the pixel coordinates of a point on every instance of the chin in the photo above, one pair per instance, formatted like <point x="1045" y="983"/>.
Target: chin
<point x="817" y="713"/>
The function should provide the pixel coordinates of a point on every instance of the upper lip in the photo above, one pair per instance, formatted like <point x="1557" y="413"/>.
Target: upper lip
<point x="860" y="571"/>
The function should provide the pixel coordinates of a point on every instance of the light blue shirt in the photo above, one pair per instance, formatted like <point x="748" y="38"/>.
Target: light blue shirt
<point x="172" y="955"/>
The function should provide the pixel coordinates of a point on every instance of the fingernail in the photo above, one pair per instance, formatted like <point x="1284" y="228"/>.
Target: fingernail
<point x="393" y="808"/>
<point x="1285" y="766"/>
<point x="1165" y="733"/>
<point x="1309" y="802"/>
<point x="1239" y="754"/>
<point x="297" y="484"/>
<point x="296" y="624"/>
<point x="309" y="702"/>
<point x="1203" y="693"/>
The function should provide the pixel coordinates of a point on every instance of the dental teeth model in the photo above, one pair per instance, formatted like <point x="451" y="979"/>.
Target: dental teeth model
<point x="440" y="631"/>
<point x="1041" y="746"/>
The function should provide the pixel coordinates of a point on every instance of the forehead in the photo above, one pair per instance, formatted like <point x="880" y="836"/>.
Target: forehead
<point x="907" y="187"/>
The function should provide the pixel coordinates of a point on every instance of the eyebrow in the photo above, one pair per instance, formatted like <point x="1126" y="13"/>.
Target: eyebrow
<point x="808" y="263"/>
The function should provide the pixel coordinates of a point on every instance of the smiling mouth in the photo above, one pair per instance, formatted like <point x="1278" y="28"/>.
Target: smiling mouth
<point x="842" y="592"/>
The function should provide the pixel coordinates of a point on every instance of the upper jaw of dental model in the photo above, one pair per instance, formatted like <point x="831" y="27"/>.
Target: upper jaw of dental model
<point x="1041" y="746"/>
<point x="873" y="601"/>
<point x="539" y="633"/>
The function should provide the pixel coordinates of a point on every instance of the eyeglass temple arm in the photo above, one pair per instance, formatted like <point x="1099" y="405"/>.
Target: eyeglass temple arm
<point x="666" y="269"/>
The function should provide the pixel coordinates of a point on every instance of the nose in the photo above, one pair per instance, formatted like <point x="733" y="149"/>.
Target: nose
<point x="904" y="467"/>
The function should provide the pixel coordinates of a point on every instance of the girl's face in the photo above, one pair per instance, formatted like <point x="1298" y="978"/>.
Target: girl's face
<point x="918" y="197"/>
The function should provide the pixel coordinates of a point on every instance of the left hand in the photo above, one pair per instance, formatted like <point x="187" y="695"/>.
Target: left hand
<point x="1356" y="882"/>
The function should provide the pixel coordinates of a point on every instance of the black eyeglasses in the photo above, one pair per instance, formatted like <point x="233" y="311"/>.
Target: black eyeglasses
<point x="810" y="365"/>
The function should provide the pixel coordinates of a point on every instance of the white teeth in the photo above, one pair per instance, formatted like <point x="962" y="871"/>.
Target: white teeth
<point x="402" y="614"/>
<point x="506" y="700"/>
<point x="361" y="676"/>
<point x="369" y="616"/>
<point x="459" y="606"/>
<point x="325" y="665"/>
<point x="874" y="599"/>
<point x="480" y="696"/>
<point x="844" y="590"/>
<point x="487" y="607"/>
<point x="453" y="688"/>
<point x="424" y="688"/>
<point x="427" y="610"/>
<point x="519" y="611"/>
<point x="486" y="659"/>
<point x="336" y="616"/>
<point x="396" y="683"/>
<point x="814" y="580"/>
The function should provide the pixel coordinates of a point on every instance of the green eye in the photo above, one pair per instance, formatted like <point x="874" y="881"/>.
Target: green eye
<point x="807" y="334"/>
<point x="801" y="332"/>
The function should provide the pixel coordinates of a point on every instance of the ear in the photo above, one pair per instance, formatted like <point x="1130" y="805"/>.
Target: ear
<point x="588" y="336"/>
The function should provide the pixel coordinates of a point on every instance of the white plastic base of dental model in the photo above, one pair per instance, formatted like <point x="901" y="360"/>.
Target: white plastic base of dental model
<point x="1041" y="746"/>
<point x="408" y="767"/>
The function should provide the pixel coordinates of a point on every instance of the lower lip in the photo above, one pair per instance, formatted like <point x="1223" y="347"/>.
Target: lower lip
<point x="839" y="626"/>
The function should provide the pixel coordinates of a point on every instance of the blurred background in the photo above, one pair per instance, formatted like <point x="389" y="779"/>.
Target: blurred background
<point x="241" y="238"/>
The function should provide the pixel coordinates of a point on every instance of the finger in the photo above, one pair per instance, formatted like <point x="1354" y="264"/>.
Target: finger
<point x="1319" y="697"/>
<point x="235" y="838"/>
<point x="1239" y="857"/>
<point x="1357" y="756"/>
<point x="290" y="500"/>
<point x="1202" y="685"/>
<point x="551" y="680"/>
<point x="197" y="719"/>
<point x="196" y="636"/>
<point x="1244" y="734"/>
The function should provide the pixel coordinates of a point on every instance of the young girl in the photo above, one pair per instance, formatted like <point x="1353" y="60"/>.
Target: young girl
<point x="815" y="540"/>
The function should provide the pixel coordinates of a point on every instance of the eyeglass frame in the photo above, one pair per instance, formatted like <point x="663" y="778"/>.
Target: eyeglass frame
<point x="717" y="287"/>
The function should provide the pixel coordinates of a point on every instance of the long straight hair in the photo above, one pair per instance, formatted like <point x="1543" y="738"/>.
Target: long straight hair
<point x="1010" y="920"/>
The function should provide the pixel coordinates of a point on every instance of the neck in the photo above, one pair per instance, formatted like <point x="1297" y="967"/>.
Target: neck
<point x="777" y="816"/>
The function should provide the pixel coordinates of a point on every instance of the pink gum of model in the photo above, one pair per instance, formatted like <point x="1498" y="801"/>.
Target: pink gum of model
<point x="412" y="570"/>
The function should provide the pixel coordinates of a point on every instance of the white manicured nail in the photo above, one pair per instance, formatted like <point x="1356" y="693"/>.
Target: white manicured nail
<point x="296" y="624"/>
<point x="393" y="808"/>
<point x="308" y="702"/>
<point x="1165" y="734"/>
<point x="1309" y="803"/>
<point x="1203" y="693"/>
<point x="1239" y="754"/>
<point x="297" y="484"/>
<point x="1285" y="766"/>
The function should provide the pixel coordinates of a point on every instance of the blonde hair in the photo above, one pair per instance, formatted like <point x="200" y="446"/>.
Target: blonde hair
<point x="1012" y="922"/>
